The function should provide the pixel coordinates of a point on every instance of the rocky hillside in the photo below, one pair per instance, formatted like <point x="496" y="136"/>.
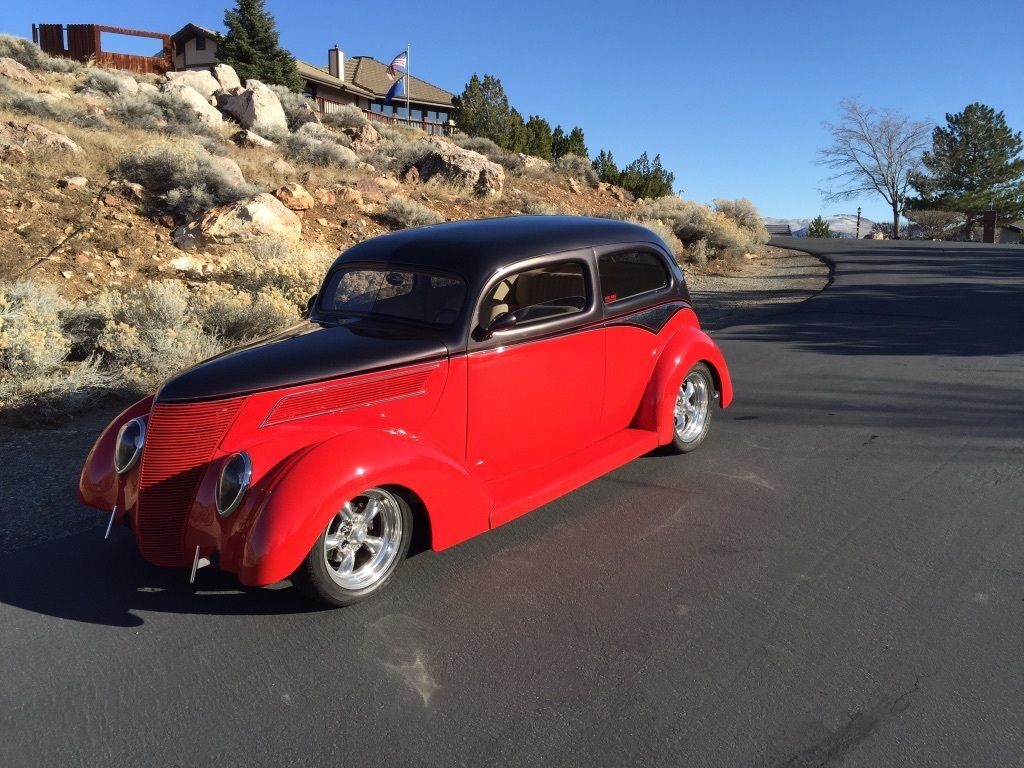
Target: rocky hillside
<point x="153" y="221"/>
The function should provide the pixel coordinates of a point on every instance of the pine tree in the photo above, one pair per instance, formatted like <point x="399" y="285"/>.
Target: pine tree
<point x="575" y="143"/>
<point x="559" y="143"/>
<point x="483" y="110"/>
<point x="819" y="228"/>
<point x="539" y="137"/>
<point x="607" y="170"/>
<point x="974" y="165"/>
<point x="252" y="47"/>
<point x="647" y="179"/>
<point x="518" y="136"/>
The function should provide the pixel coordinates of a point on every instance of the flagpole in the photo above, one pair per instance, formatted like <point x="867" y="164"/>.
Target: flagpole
<point x="408" y="84"/>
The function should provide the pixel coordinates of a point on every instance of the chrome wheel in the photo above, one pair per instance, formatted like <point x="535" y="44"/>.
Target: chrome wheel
<point x="364" y="539"/>
<point x="693" y="404"/>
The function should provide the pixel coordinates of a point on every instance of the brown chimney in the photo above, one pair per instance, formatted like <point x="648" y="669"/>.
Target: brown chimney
<point x="336" y="62"/>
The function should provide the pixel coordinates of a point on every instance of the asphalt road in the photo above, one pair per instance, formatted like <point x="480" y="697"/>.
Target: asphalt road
<point x="836" y="577"/>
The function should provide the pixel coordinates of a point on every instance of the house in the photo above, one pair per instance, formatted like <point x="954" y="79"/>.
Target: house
<point x="361" y="80"/>
<point x="778" y="229"/>
<point x="195" y="47"/>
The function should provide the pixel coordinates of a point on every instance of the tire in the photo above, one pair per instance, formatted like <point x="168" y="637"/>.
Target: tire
<point x="359" y="550"/>
<point x="692" y="411"/>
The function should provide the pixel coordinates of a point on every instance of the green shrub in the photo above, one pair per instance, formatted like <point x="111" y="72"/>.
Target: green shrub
<point x="408" y="213"/>
<point x="273" y="265"/>
<point x="743" y="212"/>
<point x="110" y="83"/>
<point x="665" y="232"/>
<point x="36" y="106"/>
<point x="396" y="155"/>
<point x="163" y="113"/>
<point x="28" y="54"/>
<point x="698" y="253"/>
<point x="35" y="375"/>
<point x="818" y="227"/>
<point x="183" y="179"/>
<point x="345" y="116"/>
<point x="577" y="167"/>
<point x="297" y="106"/>
<point x="316" y="146"/>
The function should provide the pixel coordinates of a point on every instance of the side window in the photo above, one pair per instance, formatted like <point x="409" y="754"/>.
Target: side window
<point x="630" y="274"/>
<point x="538" y="294"/>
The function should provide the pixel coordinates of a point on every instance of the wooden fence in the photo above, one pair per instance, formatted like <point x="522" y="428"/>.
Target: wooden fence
<point x="82" y="42"/>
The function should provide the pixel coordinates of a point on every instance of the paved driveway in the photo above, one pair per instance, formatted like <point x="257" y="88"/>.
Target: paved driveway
<point x="837" y="576"/>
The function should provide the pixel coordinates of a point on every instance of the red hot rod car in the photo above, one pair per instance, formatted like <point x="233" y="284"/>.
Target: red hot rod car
<point x="450" y="377"/>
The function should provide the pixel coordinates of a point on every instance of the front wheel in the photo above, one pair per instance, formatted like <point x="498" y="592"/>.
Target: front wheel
<point x="359" y="550"/>
<point x="693" y="410"/>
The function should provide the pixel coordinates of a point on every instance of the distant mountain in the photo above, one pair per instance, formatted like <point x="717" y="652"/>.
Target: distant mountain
<point x="842" y="224"/>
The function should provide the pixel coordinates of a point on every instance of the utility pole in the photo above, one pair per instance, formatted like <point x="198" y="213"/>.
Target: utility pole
<point x="858" y="223"/>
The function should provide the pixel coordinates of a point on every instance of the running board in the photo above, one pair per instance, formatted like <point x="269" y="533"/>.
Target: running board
<point x="549" y="481"/>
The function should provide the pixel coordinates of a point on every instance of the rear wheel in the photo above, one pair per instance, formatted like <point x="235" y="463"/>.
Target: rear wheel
<point x="693" y="409"/>
<point x="357" y="553"/>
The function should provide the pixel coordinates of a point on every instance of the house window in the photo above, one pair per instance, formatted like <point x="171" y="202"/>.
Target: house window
<point x="442" y="117"/>
<point x="200" y="43"/>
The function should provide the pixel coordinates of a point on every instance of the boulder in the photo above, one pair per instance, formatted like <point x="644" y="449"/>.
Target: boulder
<point x="533" y="164"/>
<point x="411" y="175"/>
<point x="253" y="218"/>
<point x="349" y="195"/>
<point x="201" y="81"/>
<point x="461" y="168"/>
<point x="73" y="182"/>
<point x="618" y="193"/>
<point x="229" y="168"/>
<point x="16" y="71"/>
<point x="245" y="138"/>
<point x="295" y="197"/>
<point x="257" y="107"/>
<point x="574" y="186"/>
<point x="201" y="107"/>
<point x="325" y="196"/>
<point x="12" y="154"/>
<point x="283" y="168"/>
<point x="306" y="116"/>
<point x="364" y="138"/>
<point x="35" y="136"/>
<point x="226" y="76"/>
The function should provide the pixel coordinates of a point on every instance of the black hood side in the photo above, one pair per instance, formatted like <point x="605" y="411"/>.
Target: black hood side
<point x="304" y="354"/>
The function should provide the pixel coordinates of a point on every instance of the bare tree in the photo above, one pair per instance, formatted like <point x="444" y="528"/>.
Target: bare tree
<point x="935" y="225"/>
<point x="873" y="152"/>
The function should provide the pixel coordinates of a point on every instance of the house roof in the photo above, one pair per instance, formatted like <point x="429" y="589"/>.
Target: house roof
<point x="194" y="30"/>
<point x="368" y="73"/>
<point x="324" y="77"/>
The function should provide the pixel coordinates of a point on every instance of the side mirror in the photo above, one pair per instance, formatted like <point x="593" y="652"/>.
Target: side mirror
<point x="501" y="322"/>
<point x="310" y="303"/>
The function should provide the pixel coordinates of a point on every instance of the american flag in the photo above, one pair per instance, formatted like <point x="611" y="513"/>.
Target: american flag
<point x="397" y="63"/>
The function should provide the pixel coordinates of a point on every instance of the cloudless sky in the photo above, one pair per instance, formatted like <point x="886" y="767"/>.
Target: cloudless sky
<point x="731" y="94"/>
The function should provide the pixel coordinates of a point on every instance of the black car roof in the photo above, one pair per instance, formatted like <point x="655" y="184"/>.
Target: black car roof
<point x="475" y="249"/>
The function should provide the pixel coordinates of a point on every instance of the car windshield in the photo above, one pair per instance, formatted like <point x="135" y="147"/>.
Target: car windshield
<point x="399" y="294"/>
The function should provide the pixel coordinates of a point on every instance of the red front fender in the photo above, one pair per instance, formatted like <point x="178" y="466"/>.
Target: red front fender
<point x="311" y="489"/>
<point x="688" y="347"/>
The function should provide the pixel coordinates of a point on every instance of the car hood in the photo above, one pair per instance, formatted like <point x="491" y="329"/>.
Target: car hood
<point x="303" y="354"/>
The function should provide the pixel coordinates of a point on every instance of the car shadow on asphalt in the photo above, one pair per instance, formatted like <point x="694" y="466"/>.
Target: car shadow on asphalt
<point x="84" y="578"/>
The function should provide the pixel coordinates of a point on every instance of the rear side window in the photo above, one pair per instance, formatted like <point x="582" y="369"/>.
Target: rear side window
<point x="539" y="294"/>
<point x="630" y="274"/>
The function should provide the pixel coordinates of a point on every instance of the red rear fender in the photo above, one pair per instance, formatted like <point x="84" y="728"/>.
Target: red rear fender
<point x="310" y="490"/>
<point x="688" y="347"/>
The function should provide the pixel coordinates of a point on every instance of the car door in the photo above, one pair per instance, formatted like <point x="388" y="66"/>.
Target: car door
<point x="536" y="388"/>
<point x="636" y="288"/>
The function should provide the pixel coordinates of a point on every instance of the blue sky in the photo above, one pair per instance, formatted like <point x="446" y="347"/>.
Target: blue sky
<point x="731" y="94"/>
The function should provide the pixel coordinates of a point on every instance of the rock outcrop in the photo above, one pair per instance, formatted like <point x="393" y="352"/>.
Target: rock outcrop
<point x="202" y="108"/>
<point x="16" y="71"/>
<point x="256" y="107"/>
<point x="226" y="76"/>
<point x="245" y="138"/>
<point x="253" y="218"/>
<point x="295" y="197"/>
<point x="461" y="168"/>
<point x="35" y="136"/>
<point x="202" y="81"/>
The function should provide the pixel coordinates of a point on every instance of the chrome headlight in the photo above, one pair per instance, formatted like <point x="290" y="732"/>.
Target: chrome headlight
<point x="129" y="445"/>
<point x="233" y="482"/>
